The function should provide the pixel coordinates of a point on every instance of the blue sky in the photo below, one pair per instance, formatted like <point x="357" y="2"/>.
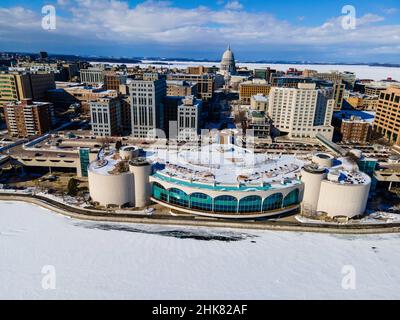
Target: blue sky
<point x="257" y="29"/>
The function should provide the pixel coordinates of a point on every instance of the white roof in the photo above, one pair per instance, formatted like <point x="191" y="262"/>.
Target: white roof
<point x="227" y="164"/>
<point x="260" y="98"/>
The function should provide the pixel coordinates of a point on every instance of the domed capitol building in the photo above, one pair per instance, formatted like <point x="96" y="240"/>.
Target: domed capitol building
<point x="228" y="65"/>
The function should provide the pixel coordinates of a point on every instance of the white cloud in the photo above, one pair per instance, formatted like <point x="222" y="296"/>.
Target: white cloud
<point x="162" y="24"/>
<point x="391" y="10"/>
<point x="234" y="5"/>
<point x="62" y="3"/>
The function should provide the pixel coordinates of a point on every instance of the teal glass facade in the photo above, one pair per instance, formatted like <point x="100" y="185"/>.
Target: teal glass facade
<point x="291" y="199"/>
<point x="178" y="197"/>
<point x="224" y="204"/>
<point x="84" y="160"/>
<point x="368" y="166"/>
<point x="159" y="192"/>
<point x="201" y="201"/>
<point x="273" y="202"/>
<point x="250" y="204"/>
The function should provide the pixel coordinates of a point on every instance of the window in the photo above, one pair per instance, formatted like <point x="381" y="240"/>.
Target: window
<point x="250" y="204"/>
<point x="159" y="192"/>
<point x="201" y="201"/>
<point x="273" y="202"/>
<point x="178" y="197"/>
<point x="291" y="198"/>
<point x="225" y="204"/>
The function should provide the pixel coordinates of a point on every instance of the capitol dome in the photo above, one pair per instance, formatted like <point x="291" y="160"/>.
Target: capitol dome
<point x="228" y="62"/>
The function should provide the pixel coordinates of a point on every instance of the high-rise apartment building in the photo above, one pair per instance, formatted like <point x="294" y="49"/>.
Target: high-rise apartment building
<point x="28" y="118"/>
<point x="105" y="115"/>
<point x="302" y="112"/>
<point x="339" y="88"/>
<point x="355" y="130"/>
<point x="189" y="113"/>
<point x="147" y="96"/>
<point x="387" y="118"/>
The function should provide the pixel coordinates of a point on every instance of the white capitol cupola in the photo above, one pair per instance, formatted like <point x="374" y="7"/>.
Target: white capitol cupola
<point x="228" y="65"/>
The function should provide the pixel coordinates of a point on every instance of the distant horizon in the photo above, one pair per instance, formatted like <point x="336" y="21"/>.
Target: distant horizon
<point x="312" y="31"/>
<point x="216" y="60"/>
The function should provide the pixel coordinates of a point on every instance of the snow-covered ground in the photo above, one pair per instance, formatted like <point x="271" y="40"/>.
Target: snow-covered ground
<point x="361" y="71"/>
<point x="105" y="260"/>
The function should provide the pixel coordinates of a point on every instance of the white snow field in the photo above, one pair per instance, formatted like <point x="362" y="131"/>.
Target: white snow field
<point x="122" y="261"/>
<point x="361" y="71"/>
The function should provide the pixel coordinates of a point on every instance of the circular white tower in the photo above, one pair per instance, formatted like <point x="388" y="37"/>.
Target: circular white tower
<point x="141" y="170"/>
<point x="312" y="177"/>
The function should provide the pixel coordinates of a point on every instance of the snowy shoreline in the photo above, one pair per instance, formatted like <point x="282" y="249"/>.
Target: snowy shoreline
<point x="103" y="216"/>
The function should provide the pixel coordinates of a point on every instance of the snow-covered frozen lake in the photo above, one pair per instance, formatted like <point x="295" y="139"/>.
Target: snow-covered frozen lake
<point x="361" y="71"/>
<point x="103" y="260"/>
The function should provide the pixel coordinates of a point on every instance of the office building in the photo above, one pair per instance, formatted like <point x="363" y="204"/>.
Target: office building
<point x="289" y="81"/>
<point x="264" y="74"/>
<point x="387" y="118"/>
<point x="181" y="88"/>
<point x="303" y="112"/>
<point x="126" y="114"/>
<point x="92" y="76"/>
<point x="171" y="116"/>
<point x="105" y="115"/>
<point x="348" y="78"/>
<point x="248" y="89"/>
<point x="17" y="86"/>
<point x="205" y="83"/>
<point x="64" y="97"/>
<point x="189" y="116"/>
<point x="147" y="95"/>
<point x="339" y="90"/>
<point x="114" y="80"/>
<point x="260" y="124"/>
<point x="375" y="88"/>
<point x="197" y="70"/>
<point x="292" y="81"/>
<point x="363" y="102"/>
